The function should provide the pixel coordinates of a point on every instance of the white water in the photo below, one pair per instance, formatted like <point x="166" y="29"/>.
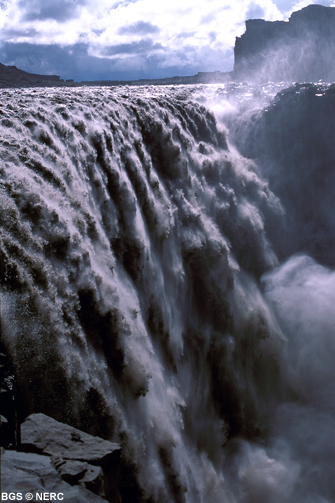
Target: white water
<point x="148" y="293"/>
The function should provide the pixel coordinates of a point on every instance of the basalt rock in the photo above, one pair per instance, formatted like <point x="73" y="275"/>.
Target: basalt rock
<point x="78" y="472"/>
<point x="23" y="473"/>
<point x="301" y="49"/>
<point x="44" y="435"/>
<point x="57" y="454"/>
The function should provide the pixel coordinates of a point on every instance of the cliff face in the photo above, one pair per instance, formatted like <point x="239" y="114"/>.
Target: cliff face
<point x="301" y="49"/>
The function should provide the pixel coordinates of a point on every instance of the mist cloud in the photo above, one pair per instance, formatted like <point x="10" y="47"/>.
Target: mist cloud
<point x="302" y="295"/>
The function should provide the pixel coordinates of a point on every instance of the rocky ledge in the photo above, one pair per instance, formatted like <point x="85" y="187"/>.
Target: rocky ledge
<point x="54" y="458"/>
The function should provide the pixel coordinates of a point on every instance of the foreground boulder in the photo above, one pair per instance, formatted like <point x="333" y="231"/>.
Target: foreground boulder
<point x="23" y="473"/>
<point x="78" y="472"/>
<point x="69" y="456"/>
<point x="44" y="435"/>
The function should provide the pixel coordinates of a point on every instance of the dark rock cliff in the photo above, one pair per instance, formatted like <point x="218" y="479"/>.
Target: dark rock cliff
<point x="10" y="76"/>
<point x="301" y="49"/>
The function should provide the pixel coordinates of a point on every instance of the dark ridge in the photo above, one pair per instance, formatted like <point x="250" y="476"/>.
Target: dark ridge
<point x="10" y="76"/>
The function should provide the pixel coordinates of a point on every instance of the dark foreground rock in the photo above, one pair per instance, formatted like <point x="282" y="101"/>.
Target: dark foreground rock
<point x="24" y="473"/>
<point x="44" y="435"/>
<point x="60" y="459"/>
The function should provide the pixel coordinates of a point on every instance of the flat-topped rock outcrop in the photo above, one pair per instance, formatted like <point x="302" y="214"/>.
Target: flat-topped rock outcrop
<point x="42" y="434"/>
<point x="301" y="49"/>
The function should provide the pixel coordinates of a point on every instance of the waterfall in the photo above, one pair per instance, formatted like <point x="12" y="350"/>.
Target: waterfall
<point x="159" y="287"/>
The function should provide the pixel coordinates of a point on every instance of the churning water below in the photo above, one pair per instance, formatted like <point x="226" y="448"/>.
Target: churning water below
<point x="167" y="281"/>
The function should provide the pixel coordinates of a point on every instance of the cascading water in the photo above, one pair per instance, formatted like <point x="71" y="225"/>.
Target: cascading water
<point x="144" y="298"/>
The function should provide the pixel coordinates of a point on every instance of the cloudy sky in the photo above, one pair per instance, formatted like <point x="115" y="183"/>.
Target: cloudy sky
<point x="129" y="39"/>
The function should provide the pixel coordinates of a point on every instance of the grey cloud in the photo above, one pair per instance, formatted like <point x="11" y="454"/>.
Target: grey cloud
<point x="130" y="61"/>
<point x="123" y="3"/>
<point x="59" y="10"/>
<point x="98" y="32"/>
<point x="16" y="33"/>
<point x="212" y="15"/>
<point x="284" y="5"/>
<point x="139" y="28"/>
<point x="70" y="62"/>
<point x="208" y="18"/>
<point x="212" y="36"/>
<point x="75" y="62"/>
<point x="140" y="47"/>
<point x="255" y="11"/>
<point x="186" y="34"/>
